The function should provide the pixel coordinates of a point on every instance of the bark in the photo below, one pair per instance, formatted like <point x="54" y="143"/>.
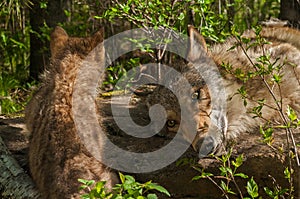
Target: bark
<point x="37" y="55"/>
<point x="14" y="182"/>
<point x="52" y="16"/>
<point x="290" y="10"/>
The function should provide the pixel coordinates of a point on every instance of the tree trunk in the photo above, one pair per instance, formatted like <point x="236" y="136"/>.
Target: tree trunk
<point x="290" y="10"/>
<point x="52" y="15"/>
<point x="37" y="56"/>
<point x="14" y="182"/>
<point x="56" y="12"/>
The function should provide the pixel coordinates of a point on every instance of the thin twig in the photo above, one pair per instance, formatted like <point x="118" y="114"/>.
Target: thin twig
<point x="219" y="187"/>
<point x="284" y="119"/>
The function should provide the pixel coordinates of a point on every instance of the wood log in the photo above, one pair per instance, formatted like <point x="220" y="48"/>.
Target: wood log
<point x="14" y="181"/>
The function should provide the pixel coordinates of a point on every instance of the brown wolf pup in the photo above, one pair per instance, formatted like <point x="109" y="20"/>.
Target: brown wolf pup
<point x="284" y="51"/>
<point x="57" y="157"/>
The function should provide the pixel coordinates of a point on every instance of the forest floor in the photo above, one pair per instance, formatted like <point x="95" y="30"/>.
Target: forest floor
<point x="260" y="160"/>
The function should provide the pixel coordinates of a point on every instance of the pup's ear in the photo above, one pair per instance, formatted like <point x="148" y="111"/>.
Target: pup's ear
<point x="98" y="37"/>
<point x="58" y="38"/>
<point x="197" y="44"/>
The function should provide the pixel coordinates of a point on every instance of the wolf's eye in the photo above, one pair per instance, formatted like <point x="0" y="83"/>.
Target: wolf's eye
<point x="171" y="123"/>
<point x="196" y="95"/>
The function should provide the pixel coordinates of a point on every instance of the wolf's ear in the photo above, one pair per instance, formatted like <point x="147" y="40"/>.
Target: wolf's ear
<point x="58" y="39"/>
<point x="197" y="44"/>
<point x="98" y="37"/>
<point x="98" y="47"/>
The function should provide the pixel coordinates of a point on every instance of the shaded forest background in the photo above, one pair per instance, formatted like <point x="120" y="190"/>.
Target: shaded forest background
<point x="25" y="26"/>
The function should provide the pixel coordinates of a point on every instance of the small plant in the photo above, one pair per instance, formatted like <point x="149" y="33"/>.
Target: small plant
<point x="270" y="72"/>
<point x="13" y="95"/>
<point x="128" y="189"/>
<point x="228" y="175"/>
<point x="119" y="70"/>
<point x="226" y="181"/>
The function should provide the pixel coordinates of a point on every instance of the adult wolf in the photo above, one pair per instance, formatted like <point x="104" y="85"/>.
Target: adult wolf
<point x="237" y="68"/>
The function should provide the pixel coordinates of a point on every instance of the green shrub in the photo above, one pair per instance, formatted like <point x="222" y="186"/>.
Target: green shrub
<point x="128" y="189"/>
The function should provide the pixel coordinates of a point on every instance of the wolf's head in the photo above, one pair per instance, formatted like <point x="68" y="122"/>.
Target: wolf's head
<point x="196" y="99"/>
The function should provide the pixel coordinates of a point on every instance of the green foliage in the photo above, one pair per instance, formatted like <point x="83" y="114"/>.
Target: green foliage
<point x="267" y="134"/>
<point x="79" y="21"/>
<point x="213" y="18"/>
<point x="128" y="189"/>
<point x="252" y="188"/>
<point x="14" y="53"/>
<point x="271" y="74"/>
<point x="116" y="71"/>
<point x="228" y="173"/>
<point x="277" y="191"/>
<point x="149" y="13"/>
<point x="13" y="95"/>
<point x="14" y="39"/>
<point x="252" y="12"/>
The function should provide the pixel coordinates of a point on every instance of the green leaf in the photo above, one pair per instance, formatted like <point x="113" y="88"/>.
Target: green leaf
<point x="197" y="178"/>
<point x="287" y="173"/>
<point x="161" y="19"/>
<point x="283" y="191"/>
<point x="224" y="186"/>
<point x="122" y="177"/>
<point x="158" y="188"/>
<point x="232" y="47"/>
<point x="100" y="186"/>
<point x="203" y="175"/>
<point x="277" y="78"/>
<point x="114" y="9"/>
<point x="245" y="40"/>
<point x="181" y="16"/>
<point x="291" y="114"/>
<point x="43" y="5"/>
<point x="86" y="182"/>
<point x="183" y="162"/>
<point x="85" y="196"/>
<point x="238" y="161"/>
<point x="252" y="188"/>
<point x="225" y="170"/>
<point x="269" y="192"/>
<point x="129" y="179"/>
<point x="152" y="196"/>
<point x="19" y="44"/>
<point x="242" y="175"/>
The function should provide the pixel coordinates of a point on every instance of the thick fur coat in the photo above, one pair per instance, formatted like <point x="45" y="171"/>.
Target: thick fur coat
<point x="57" y="157"/>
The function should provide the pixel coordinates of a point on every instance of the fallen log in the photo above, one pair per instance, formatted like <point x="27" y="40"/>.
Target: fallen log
<point x="14" y="181"/>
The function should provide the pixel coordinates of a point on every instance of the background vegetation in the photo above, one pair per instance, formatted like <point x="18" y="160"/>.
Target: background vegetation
<point x="26" y="25"/>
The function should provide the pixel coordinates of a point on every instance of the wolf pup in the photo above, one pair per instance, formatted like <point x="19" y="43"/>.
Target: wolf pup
<point x="57" y="157"/>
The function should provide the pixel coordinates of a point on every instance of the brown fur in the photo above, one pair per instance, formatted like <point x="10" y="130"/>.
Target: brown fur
<point x="57" y="158"/>
<point x="285" y="45"/>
